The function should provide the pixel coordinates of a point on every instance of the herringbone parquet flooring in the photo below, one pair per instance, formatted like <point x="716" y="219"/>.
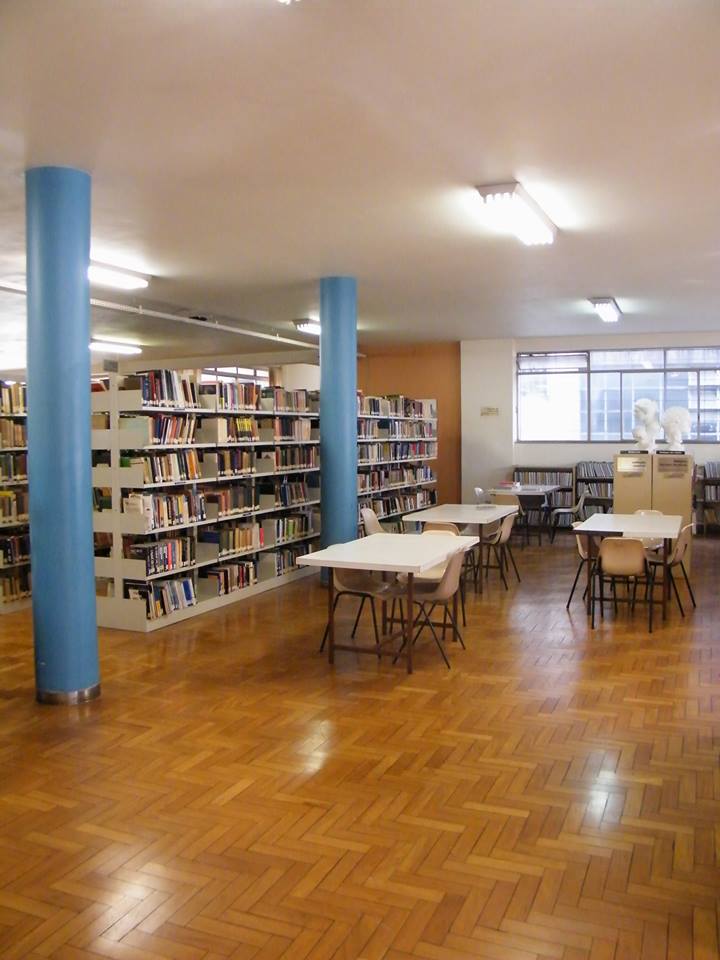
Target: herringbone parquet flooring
<point x="556" y="796"/>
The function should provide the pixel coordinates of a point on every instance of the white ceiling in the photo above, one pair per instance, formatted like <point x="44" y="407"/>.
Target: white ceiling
<point x="242" y="148"/>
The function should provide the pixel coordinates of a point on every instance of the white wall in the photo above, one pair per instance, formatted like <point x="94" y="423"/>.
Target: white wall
<point x="300" y="376"/>
<point x="489" y="449"/>
<point x="486" y="372"/>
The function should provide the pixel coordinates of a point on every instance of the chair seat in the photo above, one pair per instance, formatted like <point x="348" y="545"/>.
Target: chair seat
<point x="563" y="511"/>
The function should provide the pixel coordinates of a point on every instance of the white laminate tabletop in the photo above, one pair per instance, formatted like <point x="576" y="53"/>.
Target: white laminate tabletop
<point x="393" y="552"/>
<point x="648" y="526"/>
<point x="462" y="513"/>
<point x="528" y="489"/>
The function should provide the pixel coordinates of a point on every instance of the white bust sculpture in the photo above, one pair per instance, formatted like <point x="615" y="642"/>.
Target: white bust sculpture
<point x="647" y="424"/>
<point x="675" y="422"/>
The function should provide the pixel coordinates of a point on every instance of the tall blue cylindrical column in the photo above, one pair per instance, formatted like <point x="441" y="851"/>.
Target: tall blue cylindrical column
<point x="59" y="465"/>
<point x="338" y="408"/>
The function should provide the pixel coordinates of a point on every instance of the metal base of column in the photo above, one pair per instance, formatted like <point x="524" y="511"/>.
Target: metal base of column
<point x="69" y="697"/>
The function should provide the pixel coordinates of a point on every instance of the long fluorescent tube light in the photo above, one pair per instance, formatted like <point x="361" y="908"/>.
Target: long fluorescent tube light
<point x="103" y="345"/>
<point x="606" y="308"/>
<point x="308" y="326"/>
<point x="103" y="275"/>
<point x="508" y="208"/>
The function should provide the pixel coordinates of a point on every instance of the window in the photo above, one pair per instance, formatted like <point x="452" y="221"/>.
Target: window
<point x="590" y="395"/>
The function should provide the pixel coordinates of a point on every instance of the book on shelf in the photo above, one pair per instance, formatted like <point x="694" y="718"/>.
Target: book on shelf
<point x="13" y="433"/>
<point x="172" y="388"/>
<point x="14" y="505"/>
<point x="231" y="577"/>
<point x="161" y="556"/>
<point x="233" y="537"/>
<point x="15" y="584"/>
<point x="239" y="498"/>
<point x="160" y="428"/>
<point x="13" y="398"/>
<point x="166" y="509"/>
<point x="13" y="466"/>
<point x="14" y="548"/>
<point x="162" y="597"/>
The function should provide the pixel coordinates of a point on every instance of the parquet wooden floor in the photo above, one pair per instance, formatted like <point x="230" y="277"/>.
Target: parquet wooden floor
<point x="556" y="796"/>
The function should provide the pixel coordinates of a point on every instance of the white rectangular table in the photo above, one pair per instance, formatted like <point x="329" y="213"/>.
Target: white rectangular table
<point x="479" y="515"/>
<point x="651" y="526"/>
<point x="389" y="553"/>
<point x="532" y="496"/>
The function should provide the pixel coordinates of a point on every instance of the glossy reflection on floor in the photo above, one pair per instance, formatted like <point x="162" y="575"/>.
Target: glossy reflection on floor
<point x="555" y="795"/>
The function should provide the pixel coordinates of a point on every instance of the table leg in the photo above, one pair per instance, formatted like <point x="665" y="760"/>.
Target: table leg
<point x="384" y="617"/>
<point x="331" y="617"/>
<point x="588" y="564"/>
<point x="409" y="621"/>
<point x="666" y="579"/>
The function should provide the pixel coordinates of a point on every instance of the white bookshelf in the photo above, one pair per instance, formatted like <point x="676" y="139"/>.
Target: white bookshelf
<point x="15" y="577"/>
<point x="397" y="443"/>
<point x="281" y="431"/>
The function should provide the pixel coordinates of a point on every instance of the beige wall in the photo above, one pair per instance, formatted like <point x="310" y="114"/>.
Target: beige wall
<point x="423" y="371"/>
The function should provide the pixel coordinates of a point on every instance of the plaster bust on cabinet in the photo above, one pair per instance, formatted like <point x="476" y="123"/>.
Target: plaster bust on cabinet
<point x="676" y="422"/>
<point x="647" y="424"/>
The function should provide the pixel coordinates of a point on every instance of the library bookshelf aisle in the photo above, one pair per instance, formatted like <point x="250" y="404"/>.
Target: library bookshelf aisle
<point x="15" y="575"/>
<point x="397" y="442"/>
<point x="206" y="491"/>
<point x="708" y="494"/>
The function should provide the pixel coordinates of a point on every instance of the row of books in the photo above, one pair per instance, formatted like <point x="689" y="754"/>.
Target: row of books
<point x="13" y="397"/>
<point x="161" y="556"/>
<point x="286" y="559"/>
<point x="603" y="490"/>
<point x="235" y="395"/>
<point x="233" y="537"/>
<point x="13" y="433"/>
<point x="289" y="429"/>
<point x="230" y="577"/>
<point x="372" y="480"/>
<point x="303" y="458"/>
<point x="396" y="430"/>
<point x="285" y="493"/>
<point x="14" y="505"/>
<point x="165" y="509"/>
<point x="162" y="597"/>
<point x="233" y="463"/>
<point x="15" y="584"/>
<point x="172" y="388"/>
<point x="383" y="452"/>
<point x="395" y="405"/>
<point x="166" y="467"/>
<point x="289" y="401"/>
<point x="712" y="469"/>
<point x="391" y="504"/>
<point x="561" y="478"/>
<point x="594" y="470"/>
<point x="236" y="499"/>
<point x="13" y="466"/>
<point x="239" y="429"/>
<point x="291" y="527"/>
<point x="14" y="549"/>
<point x="161" y="428"/>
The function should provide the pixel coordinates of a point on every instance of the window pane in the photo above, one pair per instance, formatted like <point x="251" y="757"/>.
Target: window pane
<point x="552" y="406"/>
<point x="639" y="386"/>
<point x="552" y="361"/>
<point x="626" y="359"/>
<point x="709" y="405"/>
<point x="605" y="406"/>
<point x="681" y="390"/>
<point x="695" y="357"/>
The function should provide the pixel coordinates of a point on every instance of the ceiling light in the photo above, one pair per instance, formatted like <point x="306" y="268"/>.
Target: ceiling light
<point x="104" y="345"/>
<point x="606" y="308"/>
<point x="508" y="208"/>
<point x="104" y="276"/>
<point x="308" y="326"/>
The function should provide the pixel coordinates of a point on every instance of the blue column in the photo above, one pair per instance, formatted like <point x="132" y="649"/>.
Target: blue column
<point x="338" y="408"/>
<point x="59" y="466"/>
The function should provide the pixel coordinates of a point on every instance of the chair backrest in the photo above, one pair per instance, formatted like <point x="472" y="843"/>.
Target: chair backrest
<point x="448" y="586"/>
<point x="649" y="513"/>
<point x="506" y="526"/>
<point x="359" y="581"/>
<point x="682" y="544"/>
<point x="441" y="526"/>
<point x="622" y="557"/>
<point x="580" y="505"/>
<point x="370" y="521"/>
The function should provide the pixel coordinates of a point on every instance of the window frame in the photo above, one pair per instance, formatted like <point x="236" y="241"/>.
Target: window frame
<point x="664" y="370"/>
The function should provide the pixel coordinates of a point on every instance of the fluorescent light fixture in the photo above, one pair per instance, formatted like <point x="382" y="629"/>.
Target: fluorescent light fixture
<point x="103" y="275"/>
<point x="509" y="208"/>
<point x="309" y="326"/>
<point x="606" y="308"/>
<point x="105" y="345"/>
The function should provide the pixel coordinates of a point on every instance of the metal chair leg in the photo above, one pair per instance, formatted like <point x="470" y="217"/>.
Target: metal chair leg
<point x="327" y="628"/>
<point x="577" y="577"/>
<point x="675" y="591"/>
<point x="512" y="560"/>
<point x="687" y="582"/>
<point x="357" y="618"/>
<point x="375" y="627"/>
